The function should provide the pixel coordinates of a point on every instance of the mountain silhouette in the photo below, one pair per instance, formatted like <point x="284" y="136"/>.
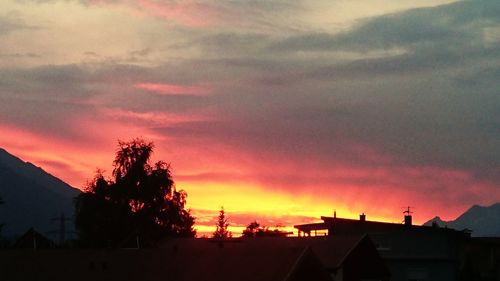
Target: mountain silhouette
<point x="32" y="198"/>
<point x="482" y="221"/>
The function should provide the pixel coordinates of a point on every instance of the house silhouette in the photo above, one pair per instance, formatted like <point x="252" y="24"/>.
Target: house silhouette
<point x="410" y="251"/>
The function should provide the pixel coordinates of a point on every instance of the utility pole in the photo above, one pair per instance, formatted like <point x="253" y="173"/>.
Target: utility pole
<point x="62" y="228"/>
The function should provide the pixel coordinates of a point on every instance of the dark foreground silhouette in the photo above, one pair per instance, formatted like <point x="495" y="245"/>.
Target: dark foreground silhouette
<point x="138" y="207"/>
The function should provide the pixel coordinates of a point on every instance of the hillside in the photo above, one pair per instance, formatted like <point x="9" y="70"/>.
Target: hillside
<point x="32" y="197"/>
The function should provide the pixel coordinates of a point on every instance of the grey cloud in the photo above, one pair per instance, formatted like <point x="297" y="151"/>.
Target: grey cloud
<point x="451" y="26"/>
<point x="417" y="120"/>
<point x="431" y="39"/>
<point x="442" y="62"/>
<point x="434" y="106"/>
<point x="45" y="82"/>
<point x="141" y="53"/>
<point x="405" y="64"/>
<point x="482" y="77"/>
<point x="309" y="141"/>
<point x="446" y="130"/>
<point x="422" y="120"/>
<point x="11" y="22"/>
<point x="230" y="43"/>
<point x="420" y="126"/>
<point x="48" y="118"/>
<point x="47" y="99"/>
<point x="269" y="16"/>
<point x="19" y="55"/>
<point x="77" y="82"/>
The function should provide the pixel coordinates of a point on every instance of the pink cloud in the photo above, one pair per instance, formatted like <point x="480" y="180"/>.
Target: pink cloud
<point x="73" y="159"/>
<point x="172" y="89"/>
<point x="56" y="156"/>
<point x="188" y="13"/>
<point x="184" y="12"/>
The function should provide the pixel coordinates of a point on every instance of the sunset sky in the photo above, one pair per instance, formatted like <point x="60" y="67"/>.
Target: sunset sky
<point x="280" y="111"/>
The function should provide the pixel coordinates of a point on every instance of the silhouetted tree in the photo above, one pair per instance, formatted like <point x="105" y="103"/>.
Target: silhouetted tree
<point x="141" y="201"/>
<point x="254" y="229"/>
<point x="221" y="231"/>
<point x="251" y="229"/>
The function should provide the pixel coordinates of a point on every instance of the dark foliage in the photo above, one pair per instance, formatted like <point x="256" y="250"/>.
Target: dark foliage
<point x="251" y="230"/>
<point x="140" y="202"/>
<point x="221" y="231"/>
<point x="1" y="224"/>
<point x="4" y="243"/>
<point x="254" y="229"/>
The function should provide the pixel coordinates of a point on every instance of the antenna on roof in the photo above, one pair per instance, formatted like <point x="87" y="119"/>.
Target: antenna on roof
<point x="407" y="211"/>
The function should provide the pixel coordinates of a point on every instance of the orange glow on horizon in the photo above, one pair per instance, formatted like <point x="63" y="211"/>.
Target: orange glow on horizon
<point x="236" y="231"/>
<point x="245" y="199"/>
<point x="244" y="204"/>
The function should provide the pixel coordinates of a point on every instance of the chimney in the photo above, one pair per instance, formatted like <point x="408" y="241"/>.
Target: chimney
<point x="362" y="217"/>
<point x="334" y="214"/>
<point x="408" y="220"/>
<point x="407" y="213"/>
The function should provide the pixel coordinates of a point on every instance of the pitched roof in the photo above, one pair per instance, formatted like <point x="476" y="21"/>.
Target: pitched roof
<point x="177" y="260"/>
<point x="229" y="260"/>
<point x="331" y="251"/>
<point x="263" y="259"/>
<point x="33" y="239"/>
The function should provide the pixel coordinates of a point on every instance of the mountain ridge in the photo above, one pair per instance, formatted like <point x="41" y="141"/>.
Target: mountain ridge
<point x="481" y="220"/>
<point x="32" y="197"/>
<point x="27" y="167"/>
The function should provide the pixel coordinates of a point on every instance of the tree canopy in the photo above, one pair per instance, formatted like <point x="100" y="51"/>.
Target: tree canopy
<point x="139" y="204"/>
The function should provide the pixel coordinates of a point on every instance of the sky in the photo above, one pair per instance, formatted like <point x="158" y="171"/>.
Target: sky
<point x="280" y="111"/>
